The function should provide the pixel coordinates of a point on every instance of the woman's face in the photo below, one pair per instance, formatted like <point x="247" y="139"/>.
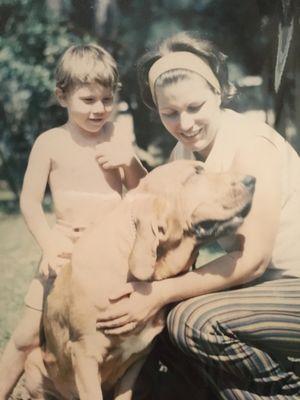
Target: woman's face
<point x="190" y="111"/>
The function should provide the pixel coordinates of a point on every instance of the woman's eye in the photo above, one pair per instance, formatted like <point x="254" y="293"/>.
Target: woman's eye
<point x="194" y="108"/>
<point x="170" y="114"/>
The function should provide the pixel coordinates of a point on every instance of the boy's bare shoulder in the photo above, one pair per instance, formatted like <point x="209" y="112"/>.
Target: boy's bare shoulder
<point x="50" y="139"/>
<point x="53" y="134"/>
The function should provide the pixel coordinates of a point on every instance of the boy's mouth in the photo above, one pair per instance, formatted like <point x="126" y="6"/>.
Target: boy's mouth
<point x="95" y="119"/>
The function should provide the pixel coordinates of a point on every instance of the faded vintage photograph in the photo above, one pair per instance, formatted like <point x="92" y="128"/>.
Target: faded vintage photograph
<point x="149" y="199"/>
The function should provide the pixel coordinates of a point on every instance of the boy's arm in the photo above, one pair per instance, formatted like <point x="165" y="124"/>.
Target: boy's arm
<point x="133" y="173"/>
<point x="118" y="152"/>
<point x="34" y="184"/>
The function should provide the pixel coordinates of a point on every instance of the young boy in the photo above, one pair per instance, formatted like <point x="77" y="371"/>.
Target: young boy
<point x="85" y="162"/>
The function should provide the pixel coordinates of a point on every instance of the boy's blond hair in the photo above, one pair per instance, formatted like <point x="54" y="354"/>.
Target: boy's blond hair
<point x="88" y="63"/>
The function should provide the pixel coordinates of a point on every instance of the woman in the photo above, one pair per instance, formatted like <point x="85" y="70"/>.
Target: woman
<point x="239" y="315"/>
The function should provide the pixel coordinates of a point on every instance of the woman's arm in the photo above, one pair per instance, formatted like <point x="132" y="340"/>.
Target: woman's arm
<point x="256" y="238"/>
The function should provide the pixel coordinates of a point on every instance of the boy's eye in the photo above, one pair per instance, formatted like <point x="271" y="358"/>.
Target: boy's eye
<point x="107" y="100"/>
<point x="88" y="99"/>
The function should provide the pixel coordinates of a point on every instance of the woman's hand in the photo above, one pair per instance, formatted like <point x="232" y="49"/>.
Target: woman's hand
<point x="133" y="305"/>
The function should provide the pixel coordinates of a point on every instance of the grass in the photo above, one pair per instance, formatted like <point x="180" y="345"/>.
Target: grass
<point x="19" y="255"/>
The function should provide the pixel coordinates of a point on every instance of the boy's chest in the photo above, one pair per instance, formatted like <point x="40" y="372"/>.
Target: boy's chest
<point x="74" y="160"/>
<point x="79" y="167"/>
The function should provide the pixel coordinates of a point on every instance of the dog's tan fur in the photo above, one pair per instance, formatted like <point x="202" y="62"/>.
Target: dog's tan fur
<point x="148" y="236"/>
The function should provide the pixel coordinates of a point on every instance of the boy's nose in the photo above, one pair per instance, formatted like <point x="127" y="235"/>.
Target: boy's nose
<point x="186" y="122"/>
<point x="98" y="107"/>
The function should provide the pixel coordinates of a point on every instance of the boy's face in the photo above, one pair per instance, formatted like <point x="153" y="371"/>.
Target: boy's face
<point x="89" y="106"/>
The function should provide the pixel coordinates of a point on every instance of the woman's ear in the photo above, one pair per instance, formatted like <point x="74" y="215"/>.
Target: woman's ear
<point x="61" y="96"/>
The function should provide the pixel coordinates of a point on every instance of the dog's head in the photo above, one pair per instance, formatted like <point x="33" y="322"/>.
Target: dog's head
<point x="181" y="199"/>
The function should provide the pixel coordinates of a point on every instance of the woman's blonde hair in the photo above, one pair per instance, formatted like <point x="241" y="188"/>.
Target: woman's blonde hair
<point x="88" y="63"/>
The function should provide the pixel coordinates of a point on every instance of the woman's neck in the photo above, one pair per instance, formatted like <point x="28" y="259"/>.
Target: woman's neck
<point x="203" y="154"/>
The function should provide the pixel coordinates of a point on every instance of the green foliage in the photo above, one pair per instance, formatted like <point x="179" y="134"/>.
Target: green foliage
<point x="30" y="44"/>
<point x="31" y="40"/>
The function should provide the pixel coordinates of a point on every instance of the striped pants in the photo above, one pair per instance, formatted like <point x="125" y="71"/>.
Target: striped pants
<point x="246" y="341"/>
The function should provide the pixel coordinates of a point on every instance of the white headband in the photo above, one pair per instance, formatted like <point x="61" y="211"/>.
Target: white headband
<point x="184" y="60"/>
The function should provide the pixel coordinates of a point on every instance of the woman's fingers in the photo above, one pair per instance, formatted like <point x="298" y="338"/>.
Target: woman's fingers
<point x="125" y="290"/>
<point x="109" y="316"/>
<point x="123" y="329"/>
<point x="115" y="323"/>
<point x="114" y="311"/>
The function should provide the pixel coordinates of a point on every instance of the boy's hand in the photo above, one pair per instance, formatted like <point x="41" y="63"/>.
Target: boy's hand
<point x="117" y="150"/>
<point x="114" y="155"/>
<point x="55" y="254"/>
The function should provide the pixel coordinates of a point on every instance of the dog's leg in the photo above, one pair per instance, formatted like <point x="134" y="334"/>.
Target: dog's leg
<point x="124" y="388"/>
<point x="86" y="373"/>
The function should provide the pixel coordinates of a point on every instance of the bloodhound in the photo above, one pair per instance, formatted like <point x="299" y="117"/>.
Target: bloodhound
<point x="154" y="233"/>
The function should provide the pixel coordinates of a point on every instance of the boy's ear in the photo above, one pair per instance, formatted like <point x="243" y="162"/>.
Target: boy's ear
<point x="61" y="97"/>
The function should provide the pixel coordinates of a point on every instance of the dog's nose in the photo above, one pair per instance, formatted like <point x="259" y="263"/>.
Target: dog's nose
<point x="249" y="182"/>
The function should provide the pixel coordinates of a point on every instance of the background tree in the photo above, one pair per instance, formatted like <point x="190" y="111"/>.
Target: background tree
<point x="35" y="32"/>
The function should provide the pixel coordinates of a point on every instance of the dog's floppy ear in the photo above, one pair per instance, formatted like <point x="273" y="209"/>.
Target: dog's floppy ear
<point x="155" y="222"/>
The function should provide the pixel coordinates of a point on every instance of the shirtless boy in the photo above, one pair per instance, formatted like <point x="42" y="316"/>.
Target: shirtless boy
<point x="86" y="162"/>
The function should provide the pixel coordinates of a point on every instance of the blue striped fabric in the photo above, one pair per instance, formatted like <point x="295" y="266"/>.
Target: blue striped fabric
<point x="247" y="340"/>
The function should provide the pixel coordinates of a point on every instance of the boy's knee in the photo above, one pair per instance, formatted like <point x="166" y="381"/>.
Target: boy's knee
<point x="26" y="335"/>
<point x="26" y="341"/>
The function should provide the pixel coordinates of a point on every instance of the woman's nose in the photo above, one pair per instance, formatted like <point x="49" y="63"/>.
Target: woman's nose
<point x="186" y="121"/>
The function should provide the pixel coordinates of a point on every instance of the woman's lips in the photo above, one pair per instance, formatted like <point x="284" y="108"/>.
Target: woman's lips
<point x="192" y="135"/>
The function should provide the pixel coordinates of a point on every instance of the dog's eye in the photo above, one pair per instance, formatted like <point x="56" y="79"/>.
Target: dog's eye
<point x="208" y="224"/>
<point x="162" y="230"/>
<point x="205" y="229"/>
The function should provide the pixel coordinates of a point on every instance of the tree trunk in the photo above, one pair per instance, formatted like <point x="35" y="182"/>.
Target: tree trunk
<point x="55" y="6"/>
<point x="105" y="18"/>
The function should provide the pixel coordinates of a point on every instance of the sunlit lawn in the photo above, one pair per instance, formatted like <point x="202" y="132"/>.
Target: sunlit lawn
<point x="19" y="256"/>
